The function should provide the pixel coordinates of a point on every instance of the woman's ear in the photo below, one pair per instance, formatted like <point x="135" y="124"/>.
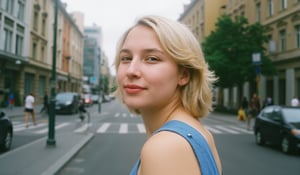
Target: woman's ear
<point x="184" y="77"/>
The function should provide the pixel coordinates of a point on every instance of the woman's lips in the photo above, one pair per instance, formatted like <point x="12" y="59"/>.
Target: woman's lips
<point x="133" y="89"/>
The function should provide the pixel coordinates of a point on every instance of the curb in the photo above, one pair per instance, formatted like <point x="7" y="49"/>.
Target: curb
<point x="53" y="169"/>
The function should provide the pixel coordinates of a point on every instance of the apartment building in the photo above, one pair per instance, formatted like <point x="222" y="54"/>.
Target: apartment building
<point x="14" y="50"/>
<point x="282" y="21"/>
<point x="26" y="50"/>
<point x="92" y="55"/>
<point x="95" y="62"/>
<point x="201" y="15"/>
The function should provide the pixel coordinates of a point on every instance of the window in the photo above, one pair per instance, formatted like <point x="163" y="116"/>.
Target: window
<point x="270" y="8"/>
<point x="19" y="40"/>
<point x="19" y="45"/>
<point x="272" y="44"/>
<point x="283" y="4"/>
<point x="43" y="53"/>
<point x="34" y="51"/>
<point x="9" y="6"/>
<point x="297" y="29"/>
<point x="276" y="115"/>
<point x="258" y="12"/>
<point x="7" y="39"/>
<point x="21" y="10"/>
<point x="283" y="40"/>
<point x="44" y="26"/>
<point x="35" y="20"/>
<point x="7" y="35"/>
<point x="267" y="113"/>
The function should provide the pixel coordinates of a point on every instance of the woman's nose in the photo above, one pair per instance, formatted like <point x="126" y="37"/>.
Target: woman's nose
<point x="133" y="69"/>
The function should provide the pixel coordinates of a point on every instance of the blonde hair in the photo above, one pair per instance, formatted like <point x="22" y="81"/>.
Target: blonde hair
<point x="178" y="41"/>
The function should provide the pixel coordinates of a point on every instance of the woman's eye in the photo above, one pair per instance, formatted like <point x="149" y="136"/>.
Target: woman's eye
<point x="125" y="59"/>
<point x="151" y="59"/>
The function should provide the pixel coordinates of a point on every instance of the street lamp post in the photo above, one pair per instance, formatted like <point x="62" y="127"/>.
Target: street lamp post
<point x="256" y="60"/>
<point x="51" y="123"/>
<point x="100" y="86"/>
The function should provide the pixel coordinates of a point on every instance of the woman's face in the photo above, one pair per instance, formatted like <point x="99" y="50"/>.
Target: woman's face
<point x="148" y="77"/>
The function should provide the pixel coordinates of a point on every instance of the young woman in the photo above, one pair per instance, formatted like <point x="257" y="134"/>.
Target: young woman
<point x="162" y="76"/>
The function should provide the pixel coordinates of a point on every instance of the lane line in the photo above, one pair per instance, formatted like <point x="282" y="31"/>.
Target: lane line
<point x="103" y="127"/>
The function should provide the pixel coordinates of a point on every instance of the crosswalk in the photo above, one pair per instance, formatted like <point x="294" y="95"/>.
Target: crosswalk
<point x="118" y="128"/>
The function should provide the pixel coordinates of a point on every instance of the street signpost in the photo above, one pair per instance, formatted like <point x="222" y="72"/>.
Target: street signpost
<point x="256" y="60"/>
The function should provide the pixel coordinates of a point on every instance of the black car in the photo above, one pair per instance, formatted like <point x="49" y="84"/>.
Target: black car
<point x="67" y="102"/>
<point x="279" y="125"/>
<point x="6" y="132"/>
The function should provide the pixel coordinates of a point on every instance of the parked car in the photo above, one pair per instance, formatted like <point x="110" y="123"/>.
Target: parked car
<point x="279" y="125"/>
<point x="87" y="99"/>
<point x="105" y="98"/>
<point x="96" y="99"/>
<point x="6" y="132"/>
<point x="67" y="102"/>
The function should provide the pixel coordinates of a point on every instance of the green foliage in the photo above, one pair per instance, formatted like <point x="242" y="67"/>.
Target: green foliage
<point x="105" y="84"/>
<point x="228" y="50"/>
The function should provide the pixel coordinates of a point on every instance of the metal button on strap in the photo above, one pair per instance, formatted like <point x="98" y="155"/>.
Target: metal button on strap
<point x="189" y="135"/>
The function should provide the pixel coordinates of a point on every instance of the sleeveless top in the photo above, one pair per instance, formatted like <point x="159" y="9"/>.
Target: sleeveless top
<point x="198" y="143"/>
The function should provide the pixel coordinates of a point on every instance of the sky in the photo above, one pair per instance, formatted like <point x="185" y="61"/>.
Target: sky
<point x="115" y="16"/>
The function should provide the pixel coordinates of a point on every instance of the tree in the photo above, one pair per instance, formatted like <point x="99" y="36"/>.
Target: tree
<point x="228" y="51"/>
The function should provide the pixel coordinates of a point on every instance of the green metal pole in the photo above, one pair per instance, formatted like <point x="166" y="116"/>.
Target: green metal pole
<point x="51" y="131"/>
<point x="100" y="89"/>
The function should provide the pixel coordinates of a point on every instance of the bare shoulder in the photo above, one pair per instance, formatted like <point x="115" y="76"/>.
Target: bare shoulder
<point x="165" y="141"/>
<point x="169" y="153"/>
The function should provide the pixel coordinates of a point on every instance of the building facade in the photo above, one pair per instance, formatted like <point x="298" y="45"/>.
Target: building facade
<point x="282" y="21"/>
<point x="92" y="56"/>
<point x="26" y="50"/>
<point x="200" y="16"/>
<point x="95" y="63"/>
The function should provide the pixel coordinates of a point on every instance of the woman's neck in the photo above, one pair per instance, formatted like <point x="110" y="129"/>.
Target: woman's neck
<point x="155" y="118"/>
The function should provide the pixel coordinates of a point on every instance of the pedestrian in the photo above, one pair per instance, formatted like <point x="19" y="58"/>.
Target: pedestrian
<point x="241" y="114"/>
<point x="29" y="108"/>
<point x="295" y="101"/>
<point x="254" y="109"/>
<point x="243" y="110"/>
<point x="268" y="102"/>
<point x="245" y="106"/>
<point x="82" y="109"/>
<point x="11" y="100"/>
<point x="45" y="104"/>
<point x="163" y="77"/>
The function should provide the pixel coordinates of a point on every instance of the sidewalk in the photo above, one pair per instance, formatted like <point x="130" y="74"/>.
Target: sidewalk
<point x="19" y="111"/>
<point x="36" y="158"/>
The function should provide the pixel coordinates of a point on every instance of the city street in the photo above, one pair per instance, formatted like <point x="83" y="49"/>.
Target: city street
<point x="119" y="136"/>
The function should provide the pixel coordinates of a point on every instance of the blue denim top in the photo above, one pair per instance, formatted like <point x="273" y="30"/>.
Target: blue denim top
<point x="199" y="145"/>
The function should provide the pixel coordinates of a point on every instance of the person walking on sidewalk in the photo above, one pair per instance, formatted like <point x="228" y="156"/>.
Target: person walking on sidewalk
<point x="29" y="108"/>
<point x="295" y="102"/>
<point x="45" y="104"/>
<point x="254" y="109"/>
<point x="245" y="105"/>
<point x="11" y="100"/>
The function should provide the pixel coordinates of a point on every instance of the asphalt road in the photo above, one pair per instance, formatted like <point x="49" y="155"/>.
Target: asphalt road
<point x="114" y="152"/>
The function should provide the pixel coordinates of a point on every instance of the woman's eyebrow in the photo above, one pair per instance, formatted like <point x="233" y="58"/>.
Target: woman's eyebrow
<point x="124" y="50"/>
<point x="148" y="50"/>
<point x="154" y="50"/>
